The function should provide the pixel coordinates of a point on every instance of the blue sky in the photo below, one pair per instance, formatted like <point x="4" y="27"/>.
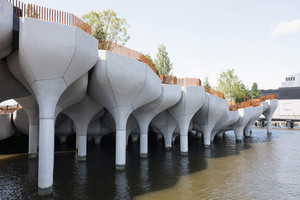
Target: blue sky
<point x="260" y="39"/>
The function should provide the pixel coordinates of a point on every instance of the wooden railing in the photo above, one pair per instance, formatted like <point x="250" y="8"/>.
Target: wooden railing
<point x="48" y="14"/>
<point x="116" y="48"/>
<point x="9" y="108"/>
<point x="168" y="79"/>
<point x="245" y="104"/>
<point x="214" y="92"/>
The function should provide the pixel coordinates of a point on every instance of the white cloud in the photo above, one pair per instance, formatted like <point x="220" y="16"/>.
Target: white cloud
<point x="286" y="27"/>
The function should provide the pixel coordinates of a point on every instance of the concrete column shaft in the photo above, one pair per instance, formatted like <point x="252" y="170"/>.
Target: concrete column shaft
<point x="269" y="122"/>
<point x="238" y="133"/>
<point x="144" y="143"/>
<point x="33" y="140"/>
<point x="184" y="144"/>
<point x="46" y="154"/>
<point x="206" y="136"/>
<point x="120" y="148"/>
<point x="82" y="140"/>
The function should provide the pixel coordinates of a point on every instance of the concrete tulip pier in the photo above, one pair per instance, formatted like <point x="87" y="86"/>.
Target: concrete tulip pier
<point x="122" y="85"/>
<point x="256" y="113"/>
<point x="229" y="118"/>
<point x="6" y="28"/>
<point x="30" y="105"/>
<point x="64" y="129"/>
<point x="130" y="126"/>
<point x="170" y="95"/>
<point x="244" y="117"/>
<point x="102" y="124"/>
<point x="82" y="113"/>
<point x="192" y="99"/>
<point x="52" y="56"/>
<point x="73" y="94"/>
<point x="165" y="124"/>
<point x="272" y="105"/>
<point x="213" y="111"/>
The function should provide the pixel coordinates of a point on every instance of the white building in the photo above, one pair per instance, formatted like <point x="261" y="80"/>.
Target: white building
<point x="291" y="81"/>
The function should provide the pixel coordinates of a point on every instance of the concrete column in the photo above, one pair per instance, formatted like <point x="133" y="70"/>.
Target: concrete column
<point x="82" y="113"/>
<point x="30" y="106"/>
<point x="256" y="113"/>
<point x="122" y="85"/>
<point x="238" y="131"/>
<point x="168" y="141"/>
<point x="207" y="136"/>
<point x="46" y="156"/>
<point x="82" y="141"/>
<point x="184" y="147"/>
<point x="144" y="144"/>
<point x="209" y="116"/>
<point x="33" y="140"/>
<point x="269" y="113"/>
<point x="170" y="95"/>
<point x="120" y="149"/>
<point x="67" y="54"/>
<point x="165" y="125"/>
<point x="192" y="99"/>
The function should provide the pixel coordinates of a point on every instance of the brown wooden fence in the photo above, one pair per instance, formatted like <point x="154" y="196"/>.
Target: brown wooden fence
<point x="254" y="102"/>
<point x="48" y="14"/>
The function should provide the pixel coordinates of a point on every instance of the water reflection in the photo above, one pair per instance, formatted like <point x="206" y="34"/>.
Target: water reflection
<point x="184" y="165"/>
<point x="121" y="186"/>
<point x="80" y="179"/>
<point x="261" y="167"/>
<point x="144" y="175"/>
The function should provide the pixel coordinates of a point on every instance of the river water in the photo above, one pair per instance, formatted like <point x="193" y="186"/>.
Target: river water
<point x="260" y="167"/>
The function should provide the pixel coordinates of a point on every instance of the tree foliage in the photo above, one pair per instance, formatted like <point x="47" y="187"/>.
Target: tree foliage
<point x="148" y="56"/>
<point x="107" y="26"/>
<point x="162" y="61"/>
<point x="255" y="93"/>
<point x="241" y="94"/>
<point x="206" y="84"/>
<point x="232" y="87"/>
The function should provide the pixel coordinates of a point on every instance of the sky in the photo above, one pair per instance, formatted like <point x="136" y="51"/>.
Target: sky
<point x="260" y="40"/>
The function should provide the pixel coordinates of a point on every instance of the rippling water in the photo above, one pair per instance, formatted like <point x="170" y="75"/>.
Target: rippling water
<point x="261" y="167"/>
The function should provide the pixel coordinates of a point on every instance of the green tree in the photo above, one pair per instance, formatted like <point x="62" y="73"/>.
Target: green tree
<point x="232" y="87"/>
<point x="255" y="93"/>
<point x="108" y="27"/>
<point x="206" y="84"/>
<point x="241" y="94"/>
<point x="162" y="61"/>
<point x="150" y="60"/>
<point x="228" y="83"/>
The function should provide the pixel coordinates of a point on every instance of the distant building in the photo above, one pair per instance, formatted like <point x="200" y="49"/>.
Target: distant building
<point x="283" y="93"/>
<point x="291" y="81"/>
<point x="289" y="98"/>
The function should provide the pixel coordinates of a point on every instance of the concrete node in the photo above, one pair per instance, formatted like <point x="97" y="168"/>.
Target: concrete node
<point x="247" y="136"/>
<point x="269" y="133"/>
<point x="45" y="191"/>
<point x="120" y="167"/>
<point x="32" y="155"/>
